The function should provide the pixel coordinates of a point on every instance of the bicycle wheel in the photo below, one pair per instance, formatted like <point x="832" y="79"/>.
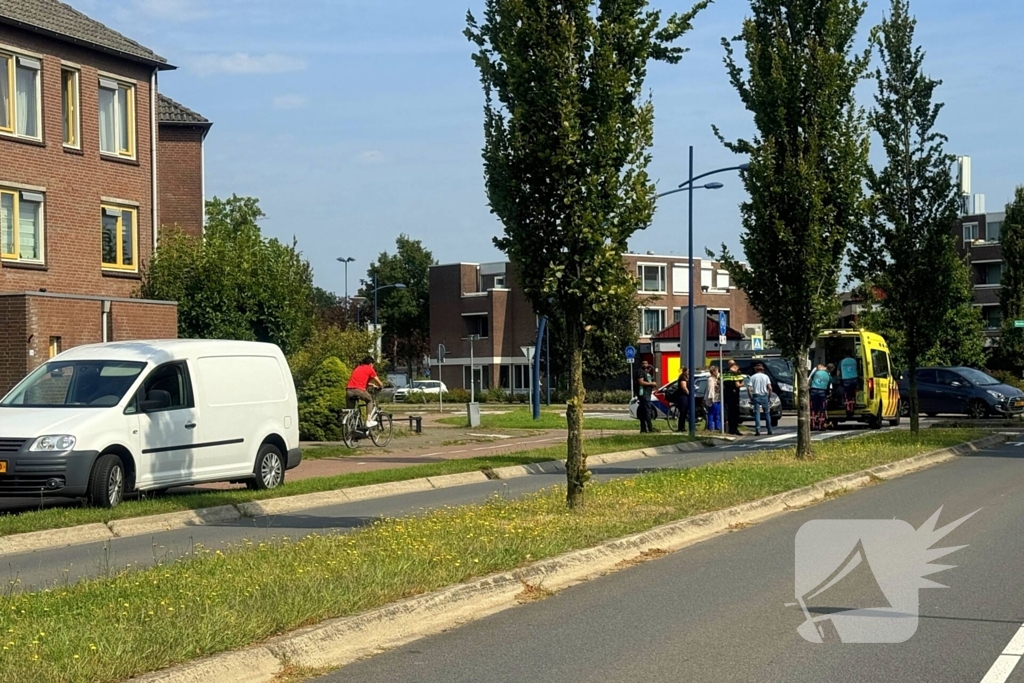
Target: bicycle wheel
<point x="672" y="419"/>
<point x="348" y="428"/>
<point x="381" y="430"/>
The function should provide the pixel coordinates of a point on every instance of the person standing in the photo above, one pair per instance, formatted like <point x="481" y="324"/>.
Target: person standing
<point x="819" y="382"/>
<point x="681" y="399"/>
<point x="759" y="388"/>
<point x="713" y="402"/>
<point x="645" y="385"/>
<point x="732" y="382"/>
<point x="851" y="381"/>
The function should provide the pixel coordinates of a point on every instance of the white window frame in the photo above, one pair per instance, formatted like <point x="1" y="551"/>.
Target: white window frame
<point x="19" y="197"/>
<point x="480" y="315"/>
<point x="707" y="277"/>
<point x="720" y="276"/>
<point x="680" y="278"/>
<point x="643" y="331"/>
<point x="14" y="61"/>
<point x="974" y="231"/>
<point x="114" y="84"/>
<point x="640" y="267"/>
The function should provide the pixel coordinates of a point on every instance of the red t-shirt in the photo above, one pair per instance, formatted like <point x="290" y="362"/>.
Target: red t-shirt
<point x="361" y="377"/>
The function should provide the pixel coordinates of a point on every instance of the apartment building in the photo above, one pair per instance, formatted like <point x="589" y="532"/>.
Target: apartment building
<point x="663" y="292"/>
<point x="81" y="128"/>
<point x="978" y="241"/>
<point x="484" y="300"/>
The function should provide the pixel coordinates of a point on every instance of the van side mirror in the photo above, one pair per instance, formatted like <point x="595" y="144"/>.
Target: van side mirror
<point x="158" y="399"/>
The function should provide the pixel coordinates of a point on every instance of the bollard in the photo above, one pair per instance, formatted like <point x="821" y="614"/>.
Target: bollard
<point x="416" y="424"/>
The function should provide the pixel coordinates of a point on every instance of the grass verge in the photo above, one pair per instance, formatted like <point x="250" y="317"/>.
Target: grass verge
<point x="63" y="517"/>
<point x="522" y="418"/>
<point x="110" y="629"/>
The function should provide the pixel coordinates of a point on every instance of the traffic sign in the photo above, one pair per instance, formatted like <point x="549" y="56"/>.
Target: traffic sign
<point x="631" y="360"/>
<point x="630" y="353"/>
<point x="722" y="340"/>
<point x="757" y="343"/>
<point x="723" y="328"/>
<point x="1018" y="323"/>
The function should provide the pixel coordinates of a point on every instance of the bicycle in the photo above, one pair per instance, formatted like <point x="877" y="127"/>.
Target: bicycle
<point x="355" y="429"/>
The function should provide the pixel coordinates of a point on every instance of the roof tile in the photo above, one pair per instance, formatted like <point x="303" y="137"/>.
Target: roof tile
<point x="169" y="111"/>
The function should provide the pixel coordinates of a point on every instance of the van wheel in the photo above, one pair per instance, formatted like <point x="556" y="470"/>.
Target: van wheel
<point x="106" y="482"/>
<point x="875" y="422"/>
<point x="895" y="422"/>
<point x="269" y="469"/>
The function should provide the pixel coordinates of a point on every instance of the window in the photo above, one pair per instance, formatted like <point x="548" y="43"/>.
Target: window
<point x="20" y="98"/>
<point x="989" y="273"/>
<point x="82" y="384"/>
<point x="499" y="282"/>
<point x="970" y="232"/>
<point x="652" y="321"/>
<point x="120" y="237"/>
<point x="476" y="325"/>
<point x="21" y="226"/>
<point x="723" y="279"/>
<point x="172" y="378"/>
<point x="55" y="346"/>
<point x="927" y="377"/>
<point x="680" y="279"/>
<point x="117" y="118"/>
<point x="993" y="317"/>
<point x="993" y="231"/>
<point x="523" y="377"/>
<point x="677" y="315"/>
<point x="483" y="377"/>
<point x="948" y="377"/>
<point x="69" y="102"/>
<point x="705" y="278"/>
<point x="652" y="278"/>
<point x="880" y="363"/>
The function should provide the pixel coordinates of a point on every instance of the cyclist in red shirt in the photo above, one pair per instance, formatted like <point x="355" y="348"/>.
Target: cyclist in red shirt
<point x="362" y="377"/>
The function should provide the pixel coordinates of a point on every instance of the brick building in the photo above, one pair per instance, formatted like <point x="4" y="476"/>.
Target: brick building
<point x="978" y="241"/>
<point x="181" y="191"/>
<point x="484" y="300"/>
<point x="80" y="182"/>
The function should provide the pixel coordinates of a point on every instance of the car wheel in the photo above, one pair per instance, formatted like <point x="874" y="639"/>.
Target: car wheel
<point x="106" y="482"/>
<point x="269" y="469"/>
<point x="904" y="408"/>
<point x="775" y="421"/>
<point x="976" y="410"/>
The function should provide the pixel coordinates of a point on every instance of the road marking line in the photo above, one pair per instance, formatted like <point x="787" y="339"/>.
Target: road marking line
<point x="485" y="448"/>
<point x="492" y="436"/>
<point x="427" y="455"/>
<point x="1001" y="670"/>
<point x="454" y="452"/>
<point x="779" y="437"/>
<point x="1016" y="646"/>
<point x="829" y="435"/>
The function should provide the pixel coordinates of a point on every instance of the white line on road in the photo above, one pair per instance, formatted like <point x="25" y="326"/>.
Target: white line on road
<point x="1007" y="662"/>
<point x="492" y="436"/>
<point x="780" y="437"/>
<point x="827" y="435"/>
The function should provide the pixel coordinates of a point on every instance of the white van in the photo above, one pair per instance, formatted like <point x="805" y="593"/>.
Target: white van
<point x="102" y="420"/>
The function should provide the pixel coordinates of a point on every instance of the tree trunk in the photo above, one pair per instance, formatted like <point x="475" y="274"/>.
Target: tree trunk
<point x="915" y="405"/>
<point x="576" y="460"/>
<point x="803" y="406"/>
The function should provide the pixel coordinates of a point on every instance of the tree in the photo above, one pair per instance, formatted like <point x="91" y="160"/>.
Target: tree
<point x="1011" y="294"/>
<point x="807" y="164"/>
<point x="612" y="330"/>
<point x="404" y="313"/>
<point x="567" y="133"/>
<point x="233" y="283"/>
<point x="906" y="248"/>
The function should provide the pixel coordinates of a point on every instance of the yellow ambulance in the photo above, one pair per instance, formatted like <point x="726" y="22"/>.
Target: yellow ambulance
<point x="865" y="387"/>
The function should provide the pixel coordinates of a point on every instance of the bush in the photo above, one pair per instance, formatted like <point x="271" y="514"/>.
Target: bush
<point x="620" y="397"/>
<point x="322" y="400"/>
<point x="457" y="396"/>
<point x="348" y="346"/>
<point x="1007" y="377"/>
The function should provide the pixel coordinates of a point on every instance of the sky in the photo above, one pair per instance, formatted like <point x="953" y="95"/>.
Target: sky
<point x="355" y="121"/>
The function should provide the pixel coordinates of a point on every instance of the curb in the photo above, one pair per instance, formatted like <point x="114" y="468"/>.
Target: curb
<point x="139" y="526"/>
<point x="338" y="642"/>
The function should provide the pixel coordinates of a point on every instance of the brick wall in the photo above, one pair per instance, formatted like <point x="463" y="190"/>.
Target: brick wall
<point x="31" y="321"/>
<point x="74" y="181"/>
<point x="180" y="178"/>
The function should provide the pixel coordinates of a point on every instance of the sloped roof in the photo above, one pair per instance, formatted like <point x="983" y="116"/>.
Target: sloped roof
<point x="672" y="332"/>
<point x="169" y="111"/>
<point x="62" y="21"/>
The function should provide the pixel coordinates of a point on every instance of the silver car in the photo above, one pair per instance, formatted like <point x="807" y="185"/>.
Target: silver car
<point x="427" y="387"/>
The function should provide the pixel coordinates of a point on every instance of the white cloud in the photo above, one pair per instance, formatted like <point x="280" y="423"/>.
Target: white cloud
<point x="371" y="157"/>
<point x="243" y="63"/>
<point x="290" y="101"/>
<point x="174" y="10"/>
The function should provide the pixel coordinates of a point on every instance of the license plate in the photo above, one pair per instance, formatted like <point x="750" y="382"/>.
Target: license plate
<point x="3" y="467"/>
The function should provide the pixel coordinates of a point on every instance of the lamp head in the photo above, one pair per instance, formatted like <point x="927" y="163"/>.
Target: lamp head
<point x="714" y="186"/>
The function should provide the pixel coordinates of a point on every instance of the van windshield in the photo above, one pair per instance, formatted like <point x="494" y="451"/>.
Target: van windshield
<point x="78" y="384"/>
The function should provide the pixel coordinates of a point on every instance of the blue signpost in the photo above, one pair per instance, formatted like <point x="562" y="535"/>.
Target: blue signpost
<point x="722" y="327"/>
<point x="631" y="358"/>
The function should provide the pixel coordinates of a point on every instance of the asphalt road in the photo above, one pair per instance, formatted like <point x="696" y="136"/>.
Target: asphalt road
<point x="46" y="568"/>
<point x="718" y="611"/>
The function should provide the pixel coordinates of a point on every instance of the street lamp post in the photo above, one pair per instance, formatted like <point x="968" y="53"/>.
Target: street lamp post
<point x="346" y="260"/>
<point x="689" y="187"/>
<point x="376" y="330"/>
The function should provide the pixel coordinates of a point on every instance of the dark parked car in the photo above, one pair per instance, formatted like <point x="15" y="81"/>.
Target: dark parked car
<point x="778" y="369"/>
<point x="746" y="408"/>
<point x="962" y="391"/>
